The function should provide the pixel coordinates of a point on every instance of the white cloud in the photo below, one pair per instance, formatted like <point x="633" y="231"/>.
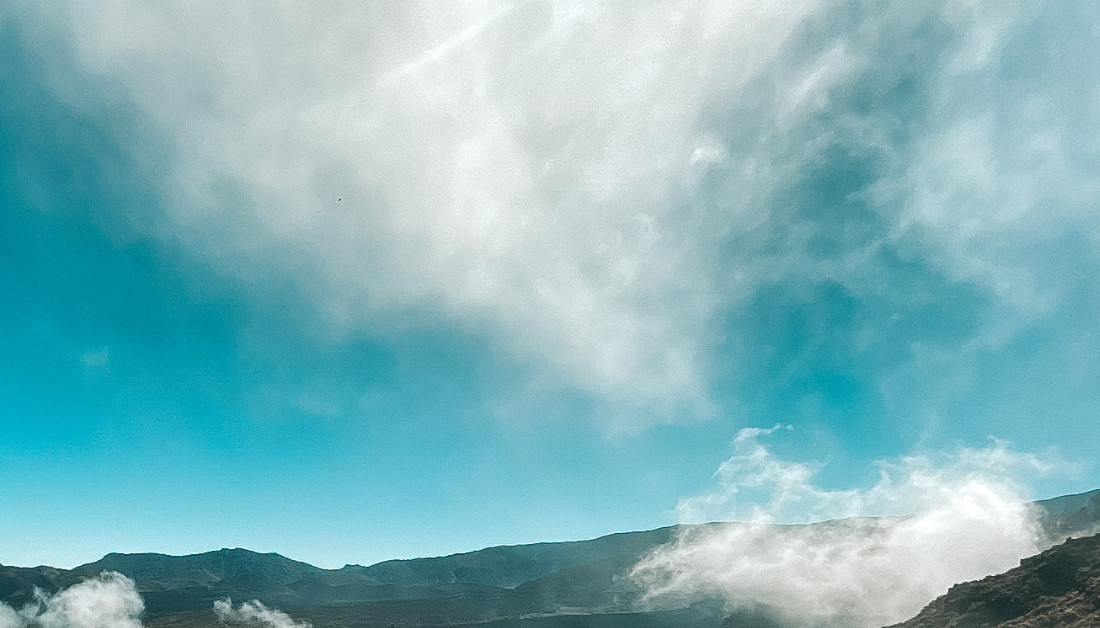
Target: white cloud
<point x="567" y="176"/>
<point x="254" y="613"/>
<point x="929" y="521"/>
<point x="9" y="618"/>
<point x="511" y="165"/>
<point x="110" y="600"/>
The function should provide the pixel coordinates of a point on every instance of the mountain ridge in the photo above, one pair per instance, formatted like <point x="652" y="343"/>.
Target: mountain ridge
<point x="496" y="584"/>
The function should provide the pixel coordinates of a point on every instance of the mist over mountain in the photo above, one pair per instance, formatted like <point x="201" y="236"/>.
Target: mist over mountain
<point x="542" y="585"/>
<point x="1059" y="588"/>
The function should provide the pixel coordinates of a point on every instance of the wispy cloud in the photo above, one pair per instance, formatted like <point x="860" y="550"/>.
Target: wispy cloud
<point x="596" y="186"/>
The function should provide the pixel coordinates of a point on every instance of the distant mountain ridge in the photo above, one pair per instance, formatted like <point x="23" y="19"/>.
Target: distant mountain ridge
<point x="539" y="577"/>
<point x="501" y="584"/>
<point x="202" y="569"/>
<point x="509" y="566"/>
<point x="1071" y="515"/>
<point x="1067" y="504"/>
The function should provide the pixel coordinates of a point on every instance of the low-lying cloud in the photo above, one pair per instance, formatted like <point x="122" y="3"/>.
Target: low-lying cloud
<point x="930" y="521"/>
<point x="109" y="600"/>
<point x="254" y="613"/>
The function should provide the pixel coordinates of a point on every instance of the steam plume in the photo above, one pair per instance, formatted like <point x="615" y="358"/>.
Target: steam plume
<point x="109" y="600"/>
<point x="949" y="518"/>
<point x="254" y="613"/>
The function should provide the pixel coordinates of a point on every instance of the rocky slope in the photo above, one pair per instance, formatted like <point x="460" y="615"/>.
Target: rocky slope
<point x="1059" y="588"/>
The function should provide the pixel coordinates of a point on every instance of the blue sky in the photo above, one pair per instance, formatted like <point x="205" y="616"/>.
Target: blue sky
<point x="356" y="283"/>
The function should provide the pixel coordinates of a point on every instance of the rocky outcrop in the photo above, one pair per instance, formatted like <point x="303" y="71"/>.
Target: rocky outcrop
<point x="1059" y="588"/>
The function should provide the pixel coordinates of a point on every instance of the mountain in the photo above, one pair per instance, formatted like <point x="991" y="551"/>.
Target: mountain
<point x="1071" y="515"/>
<point x="541" y="585"/>
<point x="18" y="584"/>
<point x="1067" y="504"/>
<point x="160" y="571"/>
<point x="513" y="565"/>
<point x="1059" y="588"/>
<point x="488" y="584"/>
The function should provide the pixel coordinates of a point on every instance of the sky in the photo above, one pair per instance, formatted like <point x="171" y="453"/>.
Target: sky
<point x="356" y="281"/>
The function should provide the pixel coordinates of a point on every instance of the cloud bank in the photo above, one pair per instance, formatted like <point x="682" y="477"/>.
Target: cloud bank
<point x="927" y="523"/>
<point x="597" y="187"/>
<point x="110" y="600"/>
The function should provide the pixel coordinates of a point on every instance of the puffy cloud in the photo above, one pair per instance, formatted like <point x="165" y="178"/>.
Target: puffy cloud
<point x="929" y="521"/>
<point x="110" y="600"/>
<point x="256" y="614"/>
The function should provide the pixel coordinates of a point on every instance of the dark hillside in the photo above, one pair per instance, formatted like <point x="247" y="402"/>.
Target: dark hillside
<point x="542" y="585"/>
<point x="1059" y="588"/>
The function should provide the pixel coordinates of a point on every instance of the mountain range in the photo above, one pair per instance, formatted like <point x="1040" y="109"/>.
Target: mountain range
<point x="580" y="584"/>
